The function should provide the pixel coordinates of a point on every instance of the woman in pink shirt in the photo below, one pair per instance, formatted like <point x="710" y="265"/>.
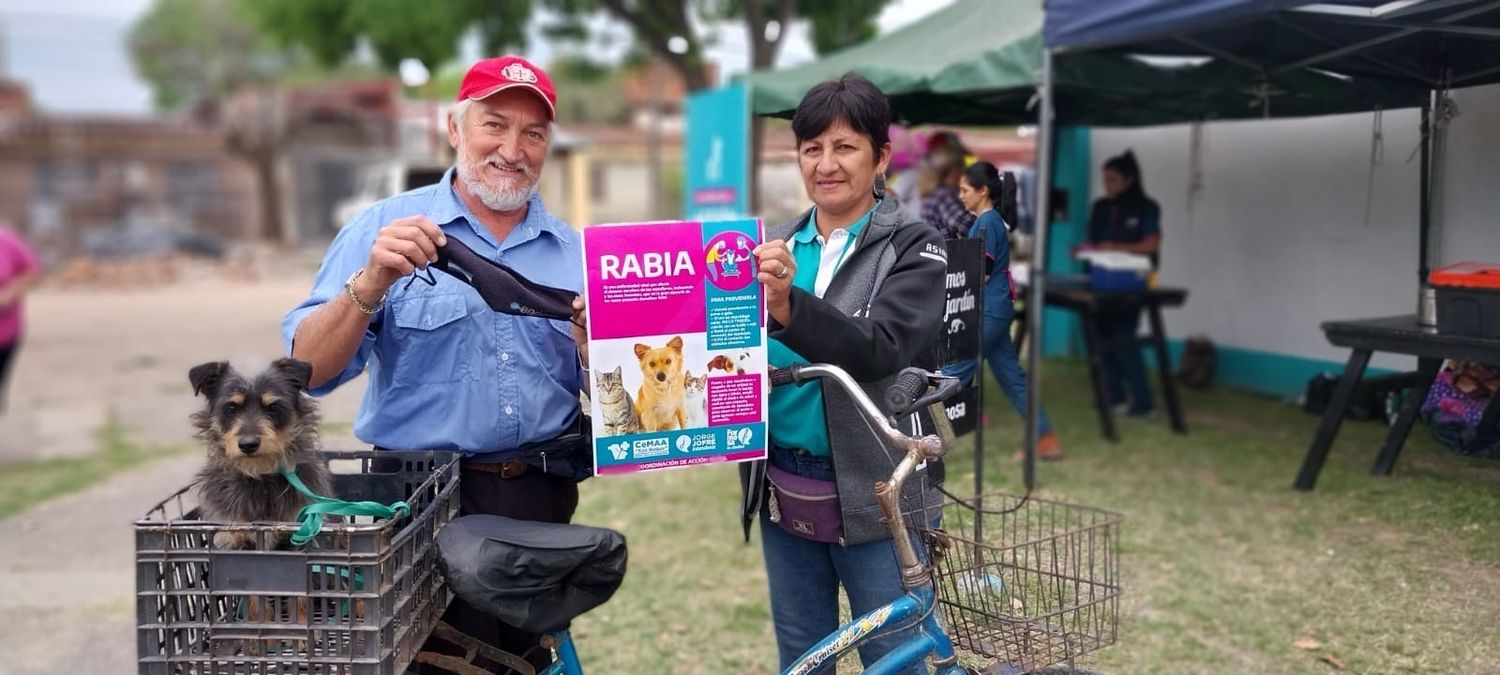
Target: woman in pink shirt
<point x="18" y="269"/>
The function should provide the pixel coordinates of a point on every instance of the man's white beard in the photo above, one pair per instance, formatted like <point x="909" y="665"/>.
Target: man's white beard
<point x="506" y="199"/>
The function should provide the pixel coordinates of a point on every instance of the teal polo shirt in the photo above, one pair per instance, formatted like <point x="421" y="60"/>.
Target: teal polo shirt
<point x="797" y="419"/>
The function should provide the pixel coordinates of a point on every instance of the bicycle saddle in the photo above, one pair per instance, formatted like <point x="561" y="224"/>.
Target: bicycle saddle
<point x="535" y="576"/>
<point x="503" y="288"/>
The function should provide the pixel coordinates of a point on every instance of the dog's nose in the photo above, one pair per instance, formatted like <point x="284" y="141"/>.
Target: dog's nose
<point x="661" y="377"/>
<point x="249" y="445"/>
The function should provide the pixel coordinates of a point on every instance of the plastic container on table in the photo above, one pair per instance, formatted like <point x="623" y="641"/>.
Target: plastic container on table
<point x="1117" y="271"/>
<point x="1468" y="299"/>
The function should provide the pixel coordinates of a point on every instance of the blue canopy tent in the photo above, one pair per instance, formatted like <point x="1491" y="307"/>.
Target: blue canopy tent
<point x="1413" y="49"/>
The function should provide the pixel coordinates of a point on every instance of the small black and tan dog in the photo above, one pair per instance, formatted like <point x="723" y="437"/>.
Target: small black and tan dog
<point x="253" y="429"/>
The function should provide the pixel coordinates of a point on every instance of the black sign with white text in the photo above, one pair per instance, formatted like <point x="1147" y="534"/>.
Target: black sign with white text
<point x="962" y="314"/>
<point x="962" y="311"/>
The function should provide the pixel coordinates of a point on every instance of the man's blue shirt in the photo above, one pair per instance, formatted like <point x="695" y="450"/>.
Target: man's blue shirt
<point x="446" y="371"/>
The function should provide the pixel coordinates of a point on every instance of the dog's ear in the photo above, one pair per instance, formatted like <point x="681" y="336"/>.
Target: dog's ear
<point x="640" y="349"/>
<point x="675" y="343"/>
<point x="207" y="376"/>
<point x="297" y="372"/>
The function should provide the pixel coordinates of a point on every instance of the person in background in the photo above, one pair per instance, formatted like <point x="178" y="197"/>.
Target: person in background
<point x="980" y="191"/>
<point x="1125" y="220"/>
<point x="907" y="150"/>
<point x="855" y="283"/>
<point x="941" y="208"/>
<point x="18" y="271"/>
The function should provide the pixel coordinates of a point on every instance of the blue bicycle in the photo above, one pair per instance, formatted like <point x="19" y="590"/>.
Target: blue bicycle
<point x="540" y="576"/>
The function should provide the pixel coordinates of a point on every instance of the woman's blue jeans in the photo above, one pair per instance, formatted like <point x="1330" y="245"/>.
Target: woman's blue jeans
<point x="1121" y="328"/>
<point x="805" y="577"/>
<point x="1000" y="351"/>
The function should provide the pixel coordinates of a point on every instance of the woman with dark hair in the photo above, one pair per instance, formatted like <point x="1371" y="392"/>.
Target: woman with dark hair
<point x="856" y="283"/>
<point x="980" y="191"/>
<point x="1125" y="220"/>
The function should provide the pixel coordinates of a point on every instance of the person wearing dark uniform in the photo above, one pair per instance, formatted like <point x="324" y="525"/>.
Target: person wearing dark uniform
<point x="1125" y="220"/>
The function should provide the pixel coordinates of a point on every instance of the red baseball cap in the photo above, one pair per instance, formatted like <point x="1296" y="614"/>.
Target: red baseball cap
<point x="492" y="76"/>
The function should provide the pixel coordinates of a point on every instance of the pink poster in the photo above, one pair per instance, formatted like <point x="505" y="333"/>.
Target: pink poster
<point x="677" y="344"/>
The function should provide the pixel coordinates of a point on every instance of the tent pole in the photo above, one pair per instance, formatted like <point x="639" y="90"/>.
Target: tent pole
<point x="1424" y="198"/>
<point x="1035" y="307"/>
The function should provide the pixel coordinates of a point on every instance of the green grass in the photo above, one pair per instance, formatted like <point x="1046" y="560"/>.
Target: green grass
<point x="335" y="427"/>
<point x="28" y="483"/>
<point x="1224" y="565"/>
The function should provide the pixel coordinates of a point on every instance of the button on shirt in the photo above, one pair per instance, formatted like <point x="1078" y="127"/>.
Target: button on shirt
<point x="797" y="417"/>
<point x="446" y="371"/>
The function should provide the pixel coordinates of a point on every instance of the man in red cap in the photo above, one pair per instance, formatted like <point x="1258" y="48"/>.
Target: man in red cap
<point x="446" y="371"/>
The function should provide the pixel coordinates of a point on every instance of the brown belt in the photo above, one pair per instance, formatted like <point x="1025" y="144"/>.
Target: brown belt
<point x="510" y="469"/>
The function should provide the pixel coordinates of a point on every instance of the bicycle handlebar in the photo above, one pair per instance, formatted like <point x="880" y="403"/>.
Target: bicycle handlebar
<point x="908" y="386"/>
<point x="925" y="447"/>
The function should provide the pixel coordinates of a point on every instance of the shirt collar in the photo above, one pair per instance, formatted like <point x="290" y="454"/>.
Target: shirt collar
<point x="808" y="233"/>
<point x="447" y="207"/>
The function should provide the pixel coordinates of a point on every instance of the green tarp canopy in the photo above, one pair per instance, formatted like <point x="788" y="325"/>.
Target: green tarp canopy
<point x="978" y="62"/>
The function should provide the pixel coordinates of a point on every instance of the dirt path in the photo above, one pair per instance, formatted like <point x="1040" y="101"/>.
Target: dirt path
<point x="67" y="580"/>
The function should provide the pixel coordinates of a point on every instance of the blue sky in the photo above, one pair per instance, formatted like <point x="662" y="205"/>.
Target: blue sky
<point x="72" y="54"/>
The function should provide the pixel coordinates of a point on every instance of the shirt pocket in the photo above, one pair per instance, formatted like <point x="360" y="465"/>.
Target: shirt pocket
<point x="432" y="338"/>
<point x="553" y="348"/>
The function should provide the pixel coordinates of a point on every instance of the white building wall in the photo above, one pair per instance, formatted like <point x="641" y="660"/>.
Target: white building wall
<point x="1277" y="239"/>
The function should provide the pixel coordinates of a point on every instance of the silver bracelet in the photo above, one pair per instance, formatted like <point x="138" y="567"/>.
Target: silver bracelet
<point x="368" y="309"/>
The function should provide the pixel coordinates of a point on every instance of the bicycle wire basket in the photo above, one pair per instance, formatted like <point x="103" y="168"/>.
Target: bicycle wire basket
<point x="1035" y="587"/>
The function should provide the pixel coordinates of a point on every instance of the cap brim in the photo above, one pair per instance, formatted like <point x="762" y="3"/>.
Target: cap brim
<point x="551" y="109"/>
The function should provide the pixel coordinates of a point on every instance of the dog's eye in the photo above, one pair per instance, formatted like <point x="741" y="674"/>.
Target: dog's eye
<point x="231" y="407"/>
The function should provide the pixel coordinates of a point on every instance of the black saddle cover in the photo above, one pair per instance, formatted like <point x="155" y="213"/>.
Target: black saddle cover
<point x="535" y="576"/>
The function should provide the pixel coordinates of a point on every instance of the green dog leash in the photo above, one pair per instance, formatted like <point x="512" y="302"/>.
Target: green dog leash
<point x="311" y="516"/>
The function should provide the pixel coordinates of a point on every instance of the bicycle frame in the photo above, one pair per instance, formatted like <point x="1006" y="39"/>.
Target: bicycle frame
<point x="917" y="605"/>
<point x="914" y="609"/>
<point x="566" y="661"/>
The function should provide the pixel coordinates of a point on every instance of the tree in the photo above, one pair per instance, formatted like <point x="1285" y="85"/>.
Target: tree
<point x="835" y="25"/>
<point x="395" y="29"/>
<point x="330" y="29"/>
<point x="668" y="29"/>
<point x="197" y="53"/>
<point x="192" y="51"/>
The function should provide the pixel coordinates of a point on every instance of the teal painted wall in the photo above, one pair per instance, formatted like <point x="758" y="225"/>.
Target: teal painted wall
<point x="1072" y="173"/>
<point x="1268" y="373"/>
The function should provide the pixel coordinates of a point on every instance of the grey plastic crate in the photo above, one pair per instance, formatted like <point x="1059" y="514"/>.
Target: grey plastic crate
<point x="359" y="599"/>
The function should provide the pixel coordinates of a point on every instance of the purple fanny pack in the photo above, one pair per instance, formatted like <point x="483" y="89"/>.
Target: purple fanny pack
<point x="805" y="507"/>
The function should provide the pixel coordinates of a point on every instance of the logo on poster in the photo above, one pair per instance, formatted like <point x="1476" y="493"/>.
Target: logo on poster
<point x="740" y="438"/>
<point x="684" y="442"/>
<point x="650" y="447"/>
<point x="726" y="255"/>
<point x="618" y="450"/>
